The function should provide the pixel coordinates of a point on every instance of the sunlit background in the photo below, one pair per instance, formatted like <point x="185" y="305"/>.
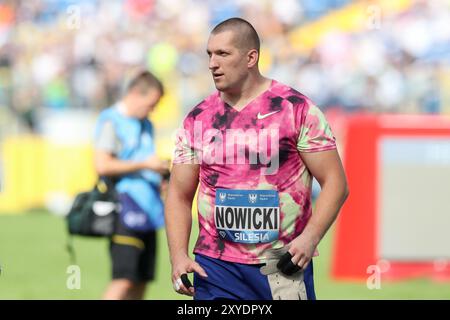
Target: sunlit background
<point x="371" y="66"/>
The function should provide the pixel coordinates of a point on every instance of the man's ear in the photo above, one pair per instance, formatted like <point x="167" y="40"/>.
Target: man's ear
<point x="252" y="58"/>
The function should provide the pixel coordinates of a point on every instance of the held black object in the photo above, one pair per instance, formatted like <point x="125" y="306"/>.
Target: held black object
<point x="286" y="265"/>
<point x="185" y="280"/>
<point x="166" y="176"/>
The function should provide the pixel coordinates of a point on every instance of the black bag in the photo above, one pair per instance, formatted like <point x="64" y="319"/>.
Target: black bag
<point x="94" y="213"/>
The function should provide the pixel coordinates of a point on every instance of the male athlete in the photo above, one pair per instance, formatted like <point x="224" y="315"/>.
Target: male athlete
<point x="253" y="147"/>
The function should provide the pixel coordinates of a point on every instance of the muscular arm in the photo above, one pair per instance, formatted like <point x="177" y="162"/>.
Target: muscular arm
<point x="182" y="187"/>
<point x="327" y="168"/>
<point x="178" y="213"/>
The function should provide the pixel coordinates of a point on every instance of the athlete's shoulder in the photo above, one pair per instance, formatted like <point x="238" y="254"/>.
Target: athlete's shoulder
<point x="295" y="97"/>
<point x="206" y="104"/>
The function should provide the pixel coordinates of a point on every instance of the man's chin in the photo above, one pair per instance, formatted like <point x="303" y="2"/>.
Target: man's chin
<point x="220" y="87"/>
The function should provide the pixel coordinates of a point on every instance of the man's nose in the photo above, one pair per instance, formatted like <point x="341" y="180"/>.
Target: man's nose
<point x="213" y="63"/>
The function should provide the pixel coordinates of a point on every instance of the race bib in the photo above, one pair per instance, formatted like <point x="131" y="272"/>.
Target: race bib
<point x="247" y="216"/>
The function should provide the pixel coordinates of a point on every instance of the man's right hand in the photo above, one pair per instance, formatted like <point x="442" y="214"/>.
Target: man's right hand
<point x="156" y="164"/>
<point x="184" y="265"/>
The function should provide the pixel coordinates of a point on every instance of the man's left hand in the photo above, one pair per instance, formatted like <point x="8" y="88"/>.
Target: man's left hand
<point x="302" y="250"/>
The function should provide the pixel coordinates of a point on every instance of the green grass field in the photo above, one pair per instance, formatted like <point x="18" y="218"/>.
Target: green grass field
<point x="34" y="264"/>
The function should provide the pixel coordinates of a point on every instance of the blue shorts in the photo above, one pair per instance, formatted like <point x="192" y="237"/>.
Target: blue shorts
<point x="237" y="281"/>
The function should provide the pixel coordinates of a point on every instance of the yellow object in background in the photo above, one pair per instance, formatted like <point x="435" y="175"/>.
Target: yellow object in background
<point x="15" y="172"/>
<point x="167" y="112"/>
<point x="265" y="60"/>
<point x="34" y="169"/>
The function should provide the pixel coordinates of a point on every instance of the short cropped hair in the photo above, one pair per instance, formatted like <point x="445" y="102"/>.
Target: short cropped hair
<point x="245" y="34"/>
<point x="144" y="81"/>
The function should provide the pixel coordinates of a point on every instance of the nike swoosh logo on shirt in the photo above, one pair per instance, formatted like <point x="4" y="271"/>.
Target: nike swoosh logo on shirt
<point x="262" y="116"/>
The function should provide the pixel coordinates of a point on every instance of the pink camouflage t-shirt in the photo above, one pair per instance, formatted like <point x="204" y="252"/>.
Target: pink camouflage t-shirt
<point x="254" y="189"/>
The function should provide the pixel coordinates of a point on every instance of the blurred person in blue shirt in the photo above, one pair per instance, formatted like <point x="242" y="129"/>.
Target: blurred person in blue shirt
<point x="125" y="151"/>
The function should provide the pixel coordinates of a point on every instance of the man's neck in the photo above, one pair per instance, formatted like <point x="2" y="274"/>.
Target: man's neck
<point x="251" y="88"/>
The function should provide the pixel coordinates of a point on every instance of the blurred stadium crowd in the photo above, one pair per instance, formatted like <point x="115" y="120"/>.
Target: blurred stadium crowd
<point x="65" y="55"/>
